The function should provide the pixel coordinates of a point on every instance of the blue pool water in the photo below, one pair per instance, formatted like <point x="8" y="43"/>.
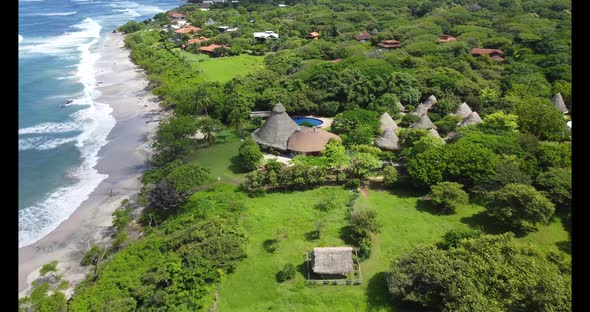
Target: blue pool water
<point x="313" y="121"/>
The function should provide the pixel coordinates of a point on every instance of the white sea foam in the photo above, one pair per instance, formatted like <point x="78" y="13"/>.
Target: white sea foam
<point x="68" y="43"/>
<point x="95" y="122"/>
<point x="132" y="7"/>
<point x="51" y="127"/>
<point x="54" y="14"/>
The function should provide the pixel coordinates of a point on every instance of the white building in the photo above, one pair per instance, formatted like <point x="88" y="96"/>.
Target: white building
<point x="266" y="34"/>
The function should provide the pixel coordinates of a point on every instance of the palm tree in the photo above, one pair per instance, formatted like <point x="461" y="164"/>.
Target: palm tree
<point x="202" y="100"/>
<point x="208" y="127"/>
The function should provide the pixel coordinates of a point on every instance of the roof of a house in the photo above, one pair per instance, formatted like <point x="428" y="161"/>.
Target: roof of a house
<point x="332" y="260"/>
<point x="187" y="29"/>
<point x="197" y="41"/>
<point x="387" y="122"/>
<point x="446" y="38"/>
<point x="389" y="44"/>
<point x="175" y="14"/>
<point x="313" y="34"/>
<point x="266" y="34"/>
<point x="420" y="110"/>
<point x="430" y="101"/>
<point x="462" y="110"/>
<point x="496" y="58"/>
<point x="276" y="130"/>
<point x="212" y="47"/>
<point x="472" y="119"/>
<point x="309" y="140"/>
<point x="559" y="103"/>
<point x="423" y="123"/>
<point x="480" y="51"/>
<point x="362" y="36"/>
<point x="388" y="140"/>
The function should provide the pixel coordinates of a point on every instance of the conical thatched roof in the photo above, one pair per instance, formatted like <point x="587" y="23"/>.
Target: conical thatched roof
<point x="332" y="260"/>
<point x="430" y="101"/>
<point x="310" y="140"/>
<point x="420" y="110"/>
<point x="387" y="122"/>
<point x="400" y="106"/>
<point x="434" y="133"/>
<point x="276" y="130"/>
<point x="423" y="123"/>
<point x="388" y="140"/>
<point x="463" y="110"/>
<point x="559" y="104"/>
<point x="472" y="119"/>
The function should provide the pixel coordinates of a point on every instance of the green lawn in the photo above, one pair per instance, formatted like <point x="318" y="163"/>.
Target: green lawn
<point x="405" y="223"/>
<point x="223" y="69"/>
<point x="220" y="157"/>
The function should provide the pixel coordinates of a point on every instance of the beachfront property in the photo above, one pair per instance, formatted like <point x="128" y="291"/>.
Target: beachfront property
<point x="263" y="35"/>
<point x="494" y="54"/>
<point x="280" y="132"/>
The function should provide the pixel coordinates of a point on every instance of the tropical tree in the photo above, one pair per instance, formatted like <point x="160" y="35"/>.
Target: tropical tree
<point x="208" y="127"/>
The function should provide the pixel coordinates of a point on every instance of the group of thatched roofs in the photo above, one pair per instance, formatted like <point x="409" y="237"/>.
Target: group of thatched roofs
<point x="390" y="141"/>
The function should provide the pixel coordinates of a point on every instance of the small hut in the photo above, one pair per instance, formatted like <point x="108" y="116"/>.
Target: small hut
<point x="423" y="123"/>
<point x="363" y="36"/>
<point x="332" y="261"/>
<point x="430" y="101"/>
<point x="472" y="119"/>
<point x="388" y="140"/>
<point x="400" y="107"/>
<point x="313" y="35"/>
<point x="276" y="130"/>
<point x="559" y="103"/>
<point x="462" y="110"/>
<point x="387" y="122"/>
<point x="420" y="110"/>
<point x="309" y="140"/>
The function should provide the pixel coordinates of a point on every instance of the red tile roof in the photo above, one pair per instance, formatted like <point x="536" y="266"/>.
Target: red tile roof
<point x="362" y="36"/>
<point x="212" y="47"/>
<point x="313" y="35"/>
<point x="480" y="51"/>
<point x="187" y="29"/>
<point x="197" y="41"/>
<point x="446" y="38"/>
<point x="389" y="44"/>
<point x="176" y="15"/>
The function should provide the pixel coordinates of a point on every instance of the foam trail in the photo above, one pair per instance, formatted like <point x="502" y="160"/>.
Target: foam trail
<point x="54" y="14"/>
<point x="51" y="127"/>
<point x="67" y="43"/>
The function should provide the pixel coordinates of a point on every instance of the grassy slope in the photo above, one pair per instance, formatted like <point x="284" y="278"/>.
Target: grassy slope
<point x="405" y="222"/>
<point x="220" y="157"/>
<point x="223" y="69"/>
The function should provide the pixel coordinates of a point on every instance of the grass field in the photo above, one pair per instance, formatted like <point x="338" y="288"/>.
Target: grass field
<point x="223" y="69"/>
<point x="405" y="221"/>
<point x="220" y="157"/>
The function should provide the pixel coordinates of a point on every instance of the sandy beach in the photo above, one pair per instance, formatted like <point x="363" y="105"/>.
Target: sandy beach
<point x="124" y="158"/>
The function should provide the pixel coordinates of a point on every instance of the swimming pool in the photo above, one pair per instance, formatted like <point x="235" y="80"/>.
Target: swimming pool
<point x="313" y="121"/>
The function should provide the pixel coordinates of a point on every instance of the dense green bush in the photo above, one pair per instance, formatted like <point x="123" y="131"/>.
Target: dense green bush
<point x="287" y="273"/>
<point x="250" y="155"/>
<point x="447" y="196"/>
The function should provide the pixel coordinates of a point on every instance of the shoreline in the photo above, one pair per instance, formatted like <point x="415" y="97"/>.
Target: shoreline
<point x="122" y="85"/>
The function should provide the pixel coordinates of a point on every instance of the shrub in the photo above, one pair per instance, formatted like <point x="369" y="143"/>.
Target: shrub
<point x="353" y="183"/>
<point x="390" y="176"/>
<point x="250" y="155"/>
<point x="447" y="196"/>
<point x="287" y="273"/>
<point x="48" y="267"/>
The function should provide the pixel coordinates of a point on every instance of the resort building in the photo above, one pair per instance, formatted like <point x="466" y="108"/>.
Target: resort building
<point x="462" y="111"/>
<point x="494" y="54"/>
<point x="263" y="35"/>
<point x="430" y="101"/>
<point x="472" y="119"/>
<point x="446" y="38"/>
<point x="363" y="36"/>
<point x="313" y="35"/>
<point x="332" y="261"/>
<point x="211" y="48"/>
<point x="559" y="103"/>
<point x="176" y="15"/>
<point x="389" y="44"/>
<point x="388" y="140"/>
<point x="197" y="40"/>
<point x="282" y="133"/>
<point x="187" y="29"/>
<point x="423" y="123"/>
<point x="420" y="109"/>
<point x="387" y="122"/>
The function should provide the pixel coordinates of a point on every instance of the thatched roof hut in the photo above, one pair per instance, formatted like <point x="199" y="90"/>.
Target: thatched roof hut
<point x="472" y="119"/>
<point x="387" y="122"/>
<point x="463" y="110"/>
<point x="430" y="101"/>
<point x="332" y="260"/>
<point x="276" y="130"/>
<point x="420" y="110"/>
<point x="434" y="133"/>
<point x="388" y="140"/>
<point x="423" y="123"/>
<point x="559" y="103"/>
<point x="400" y="106"/>
<point x="310" y="140"/>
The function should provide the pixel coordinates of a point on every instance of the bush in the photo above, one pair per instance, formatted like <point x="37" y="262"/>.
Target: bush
<point x="390" y="176"/>
<point x="447" y="196"/>
<point x="287" y="273"/>
<point x="353" y="184"/>
<point x="48" y="267"/>
<point x="130" y="27"/>
<point x="453" y="237"/>
<point x="364" y="249"/>
<point x="250" y="155"/>
<point x="408" y="119"/>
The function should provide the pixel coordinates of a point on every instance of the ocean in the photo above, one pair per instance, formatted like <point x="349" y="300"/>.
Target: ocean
<point x="61" y="127"/>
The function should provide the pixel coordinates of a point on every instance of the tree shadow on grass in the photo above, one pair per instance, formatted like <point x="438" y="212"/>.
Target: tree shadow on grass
<point x="302" y="269"/>
<point x="270" y="245"/>
<point x="488" y="224"/>
<point x="235" y="166"/>
<point x="377" y="294"/>
<point x="406" y="191"/>
<point x="426" y="206"/>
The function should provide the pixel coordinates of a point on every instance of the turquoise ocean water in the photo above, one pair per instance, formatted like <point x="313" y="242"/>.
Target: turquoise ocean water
<point x="59" y="142"/>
